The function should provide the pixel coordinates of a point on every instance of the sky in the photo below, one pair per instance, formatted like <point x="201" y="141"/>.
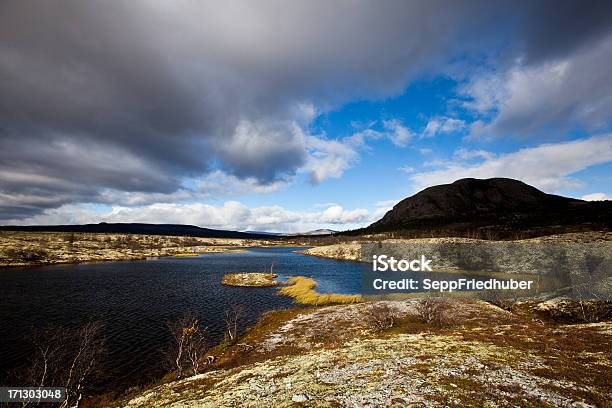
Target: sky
<point x="291" y="116"/>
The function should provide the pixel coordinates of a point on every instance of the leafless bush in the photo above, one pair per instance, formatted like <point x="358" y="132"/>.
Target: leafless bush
<point x="592" y="297"/>
<point x="504" y="300"/>
<point x="432" y="311"/>
<point x="70" y="238"/>
<point x="190" y="241"/>
<point x="26" y="254"/>
<point x="380" y="316"/>
<point x="233" y="318"/>
<point x="69" y="358"/>
<point x="189" y="344"/>
<point x="579" y="311"/>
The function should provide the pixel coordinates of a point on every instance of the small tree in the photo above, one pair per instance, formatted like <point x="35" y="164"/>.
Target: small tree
<point x="188" y="344"/>
<point x="379" y="317"/>
<point x="233" y="318"/>
<point x="431" y="311"/>
<point x="66" y="357"/>
<point x="70" y="238"/>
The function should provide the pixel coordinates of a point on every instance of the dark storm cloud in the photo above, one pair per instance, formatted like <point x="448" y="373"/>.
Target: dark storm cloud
<point x="555" y="28"/>
<point x="135" y="95"/>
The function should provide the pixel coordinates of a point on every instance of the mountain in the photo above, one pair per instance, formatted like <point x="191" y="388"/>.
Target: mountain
<point x="276" y="234"/>
<point x="296" y="234"/>
<point x="319" y="232"/>
<point x="499" y="203"/>
<point x="142" y="229"/>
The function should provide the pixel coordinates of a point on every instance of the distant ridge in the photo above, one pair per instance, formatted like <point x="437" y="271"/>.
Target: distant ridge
<point x="140" y="229"/>
<point x="317" y="232"/>
<point x="501" y="204"/>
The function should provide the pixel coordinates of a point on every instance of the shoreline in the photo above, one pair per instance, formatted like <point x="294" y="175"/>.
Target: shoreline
<point x="29" y="250"/>
<point x="568" y="252"/>
<point x="126" y="259"/>
<point x="312" y="355"/>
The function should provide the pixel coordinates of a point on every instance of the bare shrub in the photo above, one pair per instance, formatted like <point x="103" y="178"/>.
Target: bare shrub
<point x="432" y="311"/>
<point x="578" y="311"/>
<point x="70" y="238"/>
<point x="499" y="299"/>
<point x="26" y="254"/>
<point x="69" y="358"/>
<point x="233" y="318"/>
<point x="380" y="316"/>
<point x="190" y="242"/>
<point x="188" y="345"/>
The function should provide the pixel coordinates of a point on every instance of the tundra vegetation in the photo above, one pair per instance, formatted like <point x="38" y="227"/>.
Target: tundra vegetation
<point x="428" y="352"/>
<point x="499" y="351"/>
<point x="250" y="279"/>
<point x="18" y="249"/>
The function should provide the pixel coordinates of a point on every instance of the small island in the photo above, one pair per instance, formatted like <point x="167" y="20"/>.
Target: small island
<point x="250" y="279"/>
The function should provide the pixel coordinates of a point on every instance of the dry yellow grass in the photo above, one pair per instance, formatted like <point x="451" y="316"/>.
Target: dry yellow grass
<point x="302" y="290"/>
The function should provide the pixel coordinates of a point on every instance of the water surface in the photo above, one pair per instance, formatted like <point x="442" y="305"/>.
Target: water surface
<point x="134" y="299"/>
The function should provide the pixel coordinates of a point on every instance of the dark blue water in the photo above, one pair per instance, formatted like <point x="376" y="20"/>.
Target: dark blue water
<point x="134" y="299"/>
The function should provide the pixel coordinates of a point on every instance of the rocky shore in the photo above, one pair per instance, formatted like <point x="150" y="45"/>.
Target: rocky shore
<point x="474" y="354"/>
<point x="561" y="256"/>
<point x="20" y="249"/>
<point x="449" y="249"/>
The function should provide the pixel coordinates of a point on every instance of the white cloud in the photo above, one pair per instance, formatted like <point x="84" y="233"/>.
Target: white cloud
<point x="324" y="205"/>
<point x="387" y="203"/>
<point x="524" y="99"/>
<point x="331" y="158"/>
<point x="399" y="134"/>
<point x="328" y="158"/>
<point x="407" y="169"/>
<point x="442" y="125"/>
<point x="337" y="215"/>
<point x="217" y="184"/>
<point x="382" y="207"/>
<point x="221" y="184"/>
<point x="466" y="154"/>
<point x="597" y="197"/>
<point x="232" y="215"/>
<point x="548" y="166"/>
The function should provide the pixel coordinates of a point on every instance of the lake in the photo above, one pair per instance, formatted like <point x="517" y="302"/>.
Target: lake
<point x="134" y="299"/>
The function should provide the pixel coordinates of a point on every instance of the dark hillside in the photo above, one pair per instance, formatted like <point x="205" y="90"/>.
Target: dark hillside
<point x="496" y="204"/>
<point x="142" y="229"/>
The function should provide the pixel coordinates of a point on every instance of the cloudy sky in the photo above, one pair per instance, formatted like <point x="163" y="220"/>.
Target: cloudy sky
<point x="290" y="116"/>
